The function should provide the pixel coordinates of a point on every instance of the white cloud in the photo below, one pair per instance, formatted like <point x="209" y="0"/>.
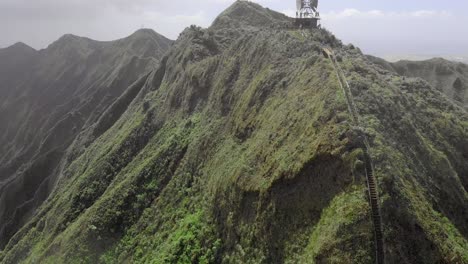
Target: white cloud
<point x="410" y="32"/>
<point x="379" y="14"/>
<point x="289" y="12"/>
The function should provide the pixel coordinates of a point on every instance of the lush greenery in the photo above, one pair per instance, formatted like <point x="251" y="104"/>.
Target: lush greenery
<point x="239" y="149"/>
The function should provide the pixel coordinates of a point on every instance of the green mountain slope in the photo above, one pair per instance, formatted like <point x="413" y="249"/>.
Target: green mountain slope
<point x="449" y="77"/>
<point x="239" y="149"/>
<point x="49" y="97"/>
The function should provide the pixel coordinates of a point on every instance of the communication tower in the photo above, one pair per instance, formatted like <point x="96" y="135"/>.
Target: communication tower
<point x="307" y="15"/>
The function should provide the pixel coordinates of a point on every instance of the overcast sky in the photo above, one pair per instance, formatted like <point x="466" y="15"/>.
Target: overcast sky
<point x="379" y="27"/>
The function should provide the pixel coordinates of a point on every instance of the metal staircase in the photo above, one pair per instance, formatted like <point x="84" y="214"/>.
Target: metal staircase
<point x="372" y="184"/>
<point x="375" y="208"/>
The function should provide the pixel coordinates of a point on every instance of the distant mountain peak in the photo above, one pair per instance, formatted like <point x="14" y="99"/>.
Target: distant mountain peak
<point x="146" y="42"/>
<point x="20" y="47"/>
<point x="145" y="33"/>
<point x="72" y="38"/>
<point x="70" y="41"/>
<point x="70" y="45"/>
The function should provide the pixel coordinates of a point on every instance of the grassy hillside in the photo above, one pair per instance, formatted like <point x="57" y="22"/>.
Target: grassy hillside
<point x="48" y="98"/>
<point x="449" y="77"/>
<point x="239" y="149"/>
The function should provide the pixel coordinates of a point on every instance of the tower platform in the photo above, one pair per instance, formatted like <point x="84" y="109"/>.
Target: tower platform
<point x="306" y="22"/>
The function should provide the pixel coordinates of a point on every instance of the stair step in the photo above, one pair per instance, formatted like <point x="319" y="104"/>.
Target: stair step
<point x="371" y="179"/>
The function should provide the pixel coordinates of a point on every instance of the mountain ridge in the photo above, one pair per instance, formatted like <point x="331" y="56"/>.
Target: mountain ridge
<point x="449" y="77"/>
<point x="239" y="147"/>
<point x="74" y="81"/>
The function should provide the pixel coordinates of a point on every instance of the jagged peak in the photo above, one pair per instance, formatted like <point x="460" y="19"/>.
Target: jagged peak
<point x="246" y="13"/>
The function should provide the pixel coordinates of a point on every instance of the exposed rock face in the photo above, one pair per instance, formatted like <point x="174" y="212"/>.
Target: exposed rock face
<point x="48" y="98"/>
<point x="449" y="77"/>
<point x="238" y="148"/>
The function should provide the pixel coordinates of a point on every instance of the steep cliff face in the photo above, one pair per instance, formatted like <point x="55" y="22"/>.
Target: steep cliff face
<point x="49" y="97"/>
<point x="449" y="77"/>
<point x="239" y="148"/>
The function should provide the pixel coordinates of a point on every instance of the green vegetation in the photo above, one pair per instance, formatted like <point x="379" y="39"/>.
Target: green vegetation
<point x="240" y="149"/>
<point x="342" y="232"/>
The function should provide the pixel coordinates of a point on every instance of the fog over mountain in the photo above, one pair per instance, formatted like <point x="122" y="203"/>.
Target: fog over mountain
<point x="383" y="28"/>
<point x="49" y="97"/>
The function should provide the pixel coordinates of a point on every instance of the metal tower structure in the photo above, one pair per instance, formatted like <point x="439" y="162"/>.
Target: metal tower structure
<point x="307" y="14"/>
<point x="307" y="9"/>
